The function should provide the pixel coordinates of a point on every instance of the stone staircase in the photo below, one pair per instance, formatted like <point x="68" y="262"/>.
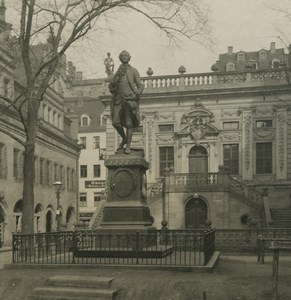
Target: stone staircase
<point x="281" y="218"/>
<point x="97" y="216"/>
<point x="75" y="288"/>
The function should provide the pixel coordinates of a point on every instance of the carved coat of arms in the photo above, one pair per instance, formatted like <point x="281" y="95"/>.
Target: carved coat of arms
<point x="197" y="129"/>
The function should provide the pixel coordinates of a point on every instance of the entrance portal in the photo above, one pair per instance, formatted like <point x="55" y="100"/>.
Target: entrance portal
<point x="195" y="213"/>
<point x="198" y="160"/>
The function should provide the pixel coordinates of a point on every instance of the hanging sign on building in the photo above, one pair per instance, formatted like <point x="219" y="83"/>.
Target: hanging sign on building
<point x="95" y="184"/>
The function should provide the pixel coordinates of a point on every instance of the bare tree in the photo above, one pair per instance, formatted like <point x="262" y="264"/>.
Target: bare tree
<point x="69" y="21"/>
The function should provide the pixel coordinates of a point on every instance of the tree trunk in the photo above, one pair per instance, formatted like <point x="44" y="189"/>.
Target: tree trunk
<point x="28" y="191"/>
<point x="29" y="167"/>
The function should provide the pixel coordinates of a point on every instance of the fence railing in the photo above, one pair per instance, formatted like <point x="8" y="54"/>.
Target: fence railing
<point x="160" y="247"/>
<point x="246" y="240"/>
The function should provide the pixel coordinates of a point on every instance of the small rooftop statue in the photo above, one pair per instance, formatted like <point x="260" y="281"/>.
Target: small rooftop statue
<point x="126" y="88"/>
<point x="109" y="65"/>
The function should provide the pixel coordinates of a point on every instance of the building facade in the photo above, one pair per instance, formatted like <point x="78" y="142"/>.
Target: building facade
<point x="222" y="139"/>
<point x="56" y="155"/>
<point x="82" y="100"/>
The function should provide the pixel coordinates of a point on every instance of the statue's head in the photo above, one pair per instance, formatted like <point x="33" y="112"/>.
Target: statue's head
<point x="124" y="56"/>
<point x="108" y="54"/>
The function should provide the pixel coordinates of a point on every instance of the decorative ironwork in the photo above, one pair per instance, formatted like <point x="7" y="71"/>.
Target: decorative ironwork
<point x="161" y="247"/>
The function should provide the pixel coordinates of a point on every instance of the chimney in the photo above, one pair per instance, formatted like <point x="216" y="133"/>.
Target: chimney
<point x="2" y="11"/>
<point x="230" y="49"/>
<point x="273" y="47"/>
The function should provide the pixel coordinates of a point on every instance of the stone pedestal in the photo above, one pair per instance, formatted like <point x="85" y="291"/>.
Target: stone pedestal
<point x="126" y="210"/>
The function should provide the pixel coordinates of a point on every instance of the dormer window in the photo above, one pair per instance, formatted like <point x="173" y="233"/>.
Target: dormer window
<point x="85" y="120"/>
<point x="241" y="56"/>
<point x="262" y="55"/>
<point x="230" y="67"/>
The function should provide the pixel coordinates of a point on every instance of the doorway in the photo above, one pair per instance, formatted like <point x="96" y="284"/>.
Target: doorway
<point x="49" y="219"/>
<point x="198" y="160"/>
<point x="195" y="213"/>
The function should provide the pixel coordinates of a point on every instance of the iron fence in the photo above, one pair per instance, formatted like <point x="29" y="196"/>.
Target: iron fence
<point x="160" y="247"/>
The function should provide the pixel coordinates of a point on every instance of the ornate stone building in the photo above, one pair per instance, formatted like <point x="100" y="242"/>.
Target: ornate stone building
<point x="220" y="138"/>
<point x="57" y="151"/>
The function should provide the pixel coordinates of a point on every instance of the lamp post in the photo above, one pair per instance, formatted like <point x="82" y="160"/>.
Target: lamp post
<point x="58" y="186"/>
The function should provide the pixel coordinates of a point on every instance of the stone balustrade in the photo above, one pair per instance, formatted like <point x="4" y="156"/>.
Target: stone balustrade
<point x="213" y="80"/>
<point x="178" y="182"/>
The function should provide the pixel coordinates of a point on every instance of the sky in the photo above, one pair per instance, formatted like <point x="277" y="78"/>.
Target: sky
<point x="247" y="25"/>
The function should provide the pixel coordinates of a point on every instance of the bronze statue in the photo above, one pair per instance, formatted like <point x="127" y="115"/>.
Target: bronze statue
<point x="109" y="65"/>
<point x="126" y="88"/>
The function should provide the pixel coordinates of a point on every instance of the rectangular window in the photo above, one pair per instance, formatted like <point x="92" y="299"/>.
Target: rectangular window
<point x="264" y="158"/>
<point x="48" y="172"/>
<point x="230" y="158"/>
<point x="264" y="123"/>
<point x="97" y="170"/>
<point x="230" y="125"/>
<point x="83" y="199"/>
<point x="166" y="128"/>
<point x="83" y="142"/>
<point x="2" y="160"/>
<point x="56" y="175"/>
<point x="83" y="171"/>
<point x="68" y="179"/>
<point x="96" y="142"/>
<point x="16" y="162"/>
<point x="166" y="158"/>
<point x="41" y="171"/>
<point x="97" y="198"/>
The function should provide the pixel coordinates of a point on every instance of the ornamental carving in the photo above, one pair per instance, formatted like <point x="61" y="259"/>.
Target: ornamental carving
<point x="169" y="116"/>
<point x="281" y="139"/>
<point x="231" y="136"/>
<point x="263" y="134"/>
<point x="150" y="126"/>
<point x="165" y="138"/>
<point x="229" y="112"/>
<point x="263" y="111"/>
<point x="247" y="133"/>
<point x="197" y="124"/>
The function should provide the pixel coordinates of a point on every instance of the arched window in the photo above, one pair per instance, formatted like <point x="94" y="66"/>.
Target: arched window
<point x="275" y="64"/>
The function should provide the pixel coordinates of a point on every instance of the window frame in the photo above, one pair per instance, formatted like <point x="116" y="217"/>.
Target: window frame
<point x="167" y="162"/>
<point x="83" y="171"/>
<point x="267" y="167"/>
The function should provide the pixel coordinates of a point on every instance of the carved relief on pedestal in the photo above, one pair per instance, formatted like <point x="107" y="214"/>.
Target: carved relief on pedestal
<point x="123" y="182"/>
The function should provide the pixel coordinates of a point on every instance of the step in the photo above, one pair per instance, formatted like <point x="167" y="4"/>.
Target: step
<point x="80" y="281"/>
<point x="70" y="293"/>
